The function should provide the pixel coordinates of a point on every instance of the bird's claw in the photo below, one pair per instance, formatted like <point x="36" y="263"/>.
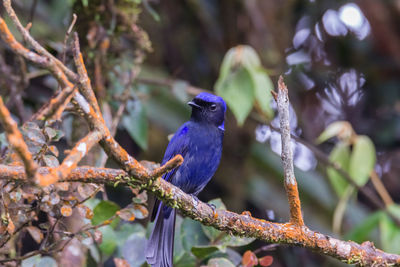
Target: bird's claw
<point x="212" y="206"/>
<point x="195" y="200"/>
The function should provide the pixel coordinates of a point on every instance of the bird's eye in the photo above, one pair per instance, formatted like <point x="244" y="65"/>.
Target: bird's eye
<point x="213" y="107"/>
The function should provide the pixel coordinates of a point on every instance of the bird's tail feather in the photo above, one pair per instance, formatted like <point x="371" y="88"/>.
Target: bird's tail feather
<point x="160" y="246"/>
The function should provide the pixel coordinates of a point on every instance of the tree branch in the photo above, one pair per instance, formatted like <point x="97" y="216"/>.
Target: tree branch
<point x="72" y="160"/>
<point x="84" y="81"/>
<point x="28" y="38"/>
<point x="287" y="155"/>
<point x="16" y="140"/>
<point x="364" y="254"/>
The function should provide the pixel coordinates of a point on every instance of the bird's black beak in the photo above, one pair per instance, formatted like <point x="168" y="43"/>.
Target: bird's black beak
<point x="194" y="105"/>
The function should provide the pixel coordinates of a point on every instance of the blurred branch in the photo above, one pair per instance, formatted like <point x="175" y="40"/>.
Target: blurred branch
<point x="170" y="83"/>
<point x="381" y="189"/>
<point x="292" y="192"/>
<point x="55" y="107"/>
<point x="28" y="38"/>
<point x="16" y="140"/>
<point x="71" y="26"/>
<point x="365" y="191"/>
<point x="72" y="160"/>
<point x="84" y="81"/>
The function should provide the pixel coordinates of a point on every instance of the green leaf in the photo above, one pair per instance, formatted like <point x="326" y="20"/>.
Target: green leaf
<point x="109" y="240"/>
<point x="242" y="80"/>
<point x="340" y="155"/>
<point x="247" y="56"/>
<point x="360" y="233"/>
<point x="103" y="211"/>
<point x="390" y="235"/>
<point x="136" y="123"/>
<point x="179" y="89"/>
<point x="241" y="55"/>
<point x="92" y="202"/>
<point x="3" y="140"/>
<point x="47" y="261"/>
<point x="127" y="229"/>
<point x="37" y="260"/>
<point x="229" y="62"/>
<point x="222" y="239"/>
<point x="394" y="209"/>
<point x="51" y="161"/>
<point x="133" y="249"/>
<point x="234" y="241"/>
<point x="187" y="260"/>
<point x="263" y="87"/>
<point x="179" y="252"/>
<point x="219" y="262"/>
<point x="362" y="160"/>
<point x="342" y="128"/>
<point x="93" y="248"/>
<point x="238" y="92"/>
<point x="341" y="209"/>
<point x="203" y="251"/>
<point x="192" y="235"/>
<point x="31" y="261"/>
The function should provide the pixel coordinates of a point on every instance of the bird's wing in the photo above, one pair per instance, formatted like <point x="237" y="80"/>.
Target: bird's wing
<point x="178" y="145"/>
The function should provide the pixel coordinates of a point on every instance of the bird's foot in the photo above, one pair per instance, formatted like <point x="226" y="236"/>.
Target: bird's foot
<point x="212" y="206"/>
<point x="195" y="200"/>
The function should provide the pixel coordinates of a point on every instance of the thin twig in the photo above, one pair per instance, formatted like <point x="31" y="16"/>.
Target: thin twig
<point x="33" y="10"/>
<point x="71" y="26"/>
<point x="72" y="160"/>
<point x="192" y="90"/>
<point x="16" y="140"/>
<point x="324" y="159"/>
<point x="56" y="106"/>
<point x="287" y="155"/>
<point x="86" y="87"/>
<point x="28" y="38"/>
<point x="381" y="189"/>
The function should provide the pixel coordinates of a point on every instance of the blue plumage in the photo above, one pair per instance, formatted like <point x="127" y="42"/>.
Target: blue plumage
<point x="199" y="141"/>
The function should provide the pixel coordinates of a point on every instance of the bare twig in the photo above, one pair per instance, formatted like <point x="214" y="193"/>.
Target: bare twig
<point x="190" y="89"/>
<point x="28" y="38"/>
<point x="84" y="81"/>
<point x="16" y="140"/>
<point x="55" y="107"/>
<point x="381" y="189"/>
<point x="70" y="162"/>
<point x="74" y="17"/>
<point x="287" y="155"/>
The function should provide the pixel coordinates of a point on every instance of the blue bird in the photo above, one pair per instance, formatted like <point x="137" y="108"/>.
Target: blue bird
<point x="199" y="141"/>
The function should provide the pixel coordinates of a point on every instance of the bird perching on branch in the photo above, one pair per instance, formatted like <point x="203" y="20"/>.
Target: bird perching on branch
<point x="199" y="141"/>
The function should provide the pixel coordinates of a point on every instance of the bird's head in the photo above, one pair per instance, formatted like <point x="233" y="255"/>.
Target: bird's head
<point x="209" y="108"/>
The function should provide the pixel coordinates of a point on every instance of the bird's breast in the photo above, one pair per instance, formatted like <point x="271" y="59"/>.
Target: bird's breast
<point x="201" y="160"/>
